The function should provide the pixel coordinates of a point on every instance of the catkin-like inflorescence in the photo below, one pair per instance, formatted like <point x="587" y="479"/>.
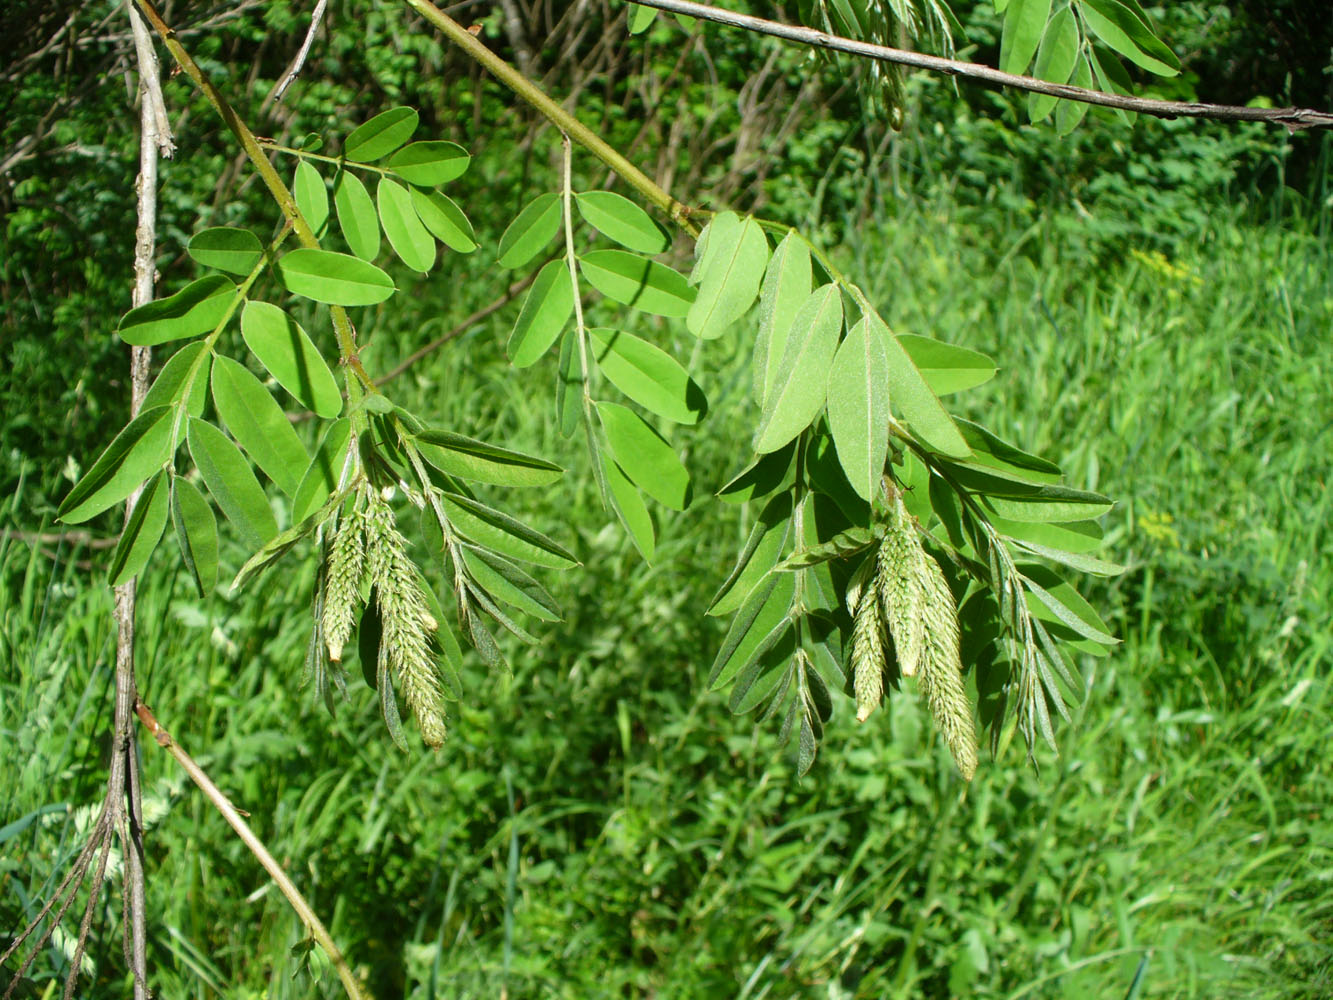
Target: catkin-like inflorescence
<point x="867" y="654"/>
<point x="342" y="584"/>
<point x="899" y="581"/>
<point x="405" y="621"/>
<point x="941" y="674"/>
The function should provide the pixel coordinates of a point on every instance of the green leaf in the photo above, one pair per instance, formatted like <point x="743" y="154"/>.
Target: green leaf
<point x="531" y="230"/>
<point x="279" y="545"/>
<point x="649" y="461"/>
<point x="197" y="308"/>
<point x="767" y="675"/>
<point x="430" y="163"/>
<point x="1118" y="26"/>
<point x="510" y="537"/>
<point x="1052" y="599"/>
<point x="994" y="452"/>
<point x="197" y="532"/>
<point x="1055" y="60"/>
<point x="648" y="375"/>
<point x="1112" y="78"/>
<point x="785" y="289"/>
<point x="840" y="546"/>
<point x="619" y="219"/>
<point x="357" y="218"/>
<point x="641" y="18"/>
<point x="190" y="363"/>
<point x="445" y="220"/>
<point x="139" y="450"/>
<point x="732" y="260"/>
<point x="1068" y="114"/>
<point x="325" y="470"/>
<point x="757" y="559"/>
<point x="335" y="278"/>
<point x="546" y="310"/>
<point x="630" y="508"/>
<point x="766" y="609"/>
<point x="381" y="135"/>
<point x="258" y="424"/>
<point x="506" y="582"/>
<point x="234" y="250"/>
<point x="569" y="385"/>
<point x="638" y="282"/>
<point x="913" y="400"/>
<point x="762" y="477"/>
<point x="1024" y="24"/>
<point x="312" y="197"/>
<point x="142" y="532"/>
<point x="1051" y="504"/>
<point x="824" y="472"/>
<point x="799" y="391"/>
<point x="410" y="239"/>
<point x="1074" y="536"/>
<point x="1074" y="560"/>
<point x="287" y="352"/>
<point x="858" y="409"/>
<point x="947" y="368"/>
<point x="468" y="458"/>
<point x="229" y="478"/>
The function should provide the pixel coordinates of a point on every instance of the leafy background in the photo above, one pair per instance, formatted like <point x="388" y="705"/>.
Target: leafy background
<point x="1159" y="300"/>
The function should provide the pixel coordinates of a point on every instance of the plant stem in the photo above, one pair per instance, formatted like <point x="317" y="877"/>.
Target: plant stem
<point x="342" y="325"/>
<point x="223" y="805"/>
<point x="679" y="212"/>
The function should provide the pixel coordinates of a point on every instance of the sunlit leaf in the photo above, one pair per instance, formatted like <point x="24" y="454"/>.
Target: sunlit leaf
<point x="1051" y="503"/>
<point x="731" y="266"/>
<point x="506" y="582"/>
<point x="289" y="355"/>
<point x="429" y="163"/>
<point x="637" y="282"/>
<point x="504" y="534"/>
<point x="619" y="219"/>
<point x="336" y="278"/>
<point x="1113" y="78"/>
<point x="191" y="363"/>
<point x="1024" y="23"/>
<point x="764" y="611"/>
<point x="800" y="388"/>
<point x="1055" y="60"/>
<point x="312" y="197"/>
<point x="757" y="559"/>
<point x="947" y="368"/>
<point x="546" y="310"/>
<point x="858" y="409"/>
<point x="785" y="289"/>
<point x="1118" y="26"/>
<point x="531" y="230"/>
<point x="468" y="458"/>
<point x="357" y="218"/>
<point x="234" y="250"/>
<point x="445" y="220"/>
<point x="410" y="239"/>
<point x="648" y="375"/>
<point x="640" y="18"/>
<point x="1068" y="114"/>
<point x="649" y="461"/>
<point x="381" y="135"/>
<point x="325" y="471"/>
<point x="912" y="399"/>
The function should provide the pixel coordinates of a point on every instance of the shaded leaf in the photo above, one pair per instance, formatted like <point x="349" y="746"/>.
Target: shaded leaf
<point x="767" y="608"/>
<point x="1068" y="114"/>
<point x="230" y="480"/>
<point x="1055" y="60"/>
<point x="325" y="471"/>
<point x="1051" y="503"/>
<point x="468" y="458"/>
<point x="141" y="448"/>
<point x="760" y="555"/>
<point x="765" y="475"/>
<point x="192" y="363"/>
<point x="630" y="508"/>
<point x="569" y="385"/>
<point x="506" y="582"/>
<point x="1118" y="26"/>
<point x="197" y="532"/>
<point x="142" y="531"/>
<point x="197" y="308"/>
<point x="510" y="537"/>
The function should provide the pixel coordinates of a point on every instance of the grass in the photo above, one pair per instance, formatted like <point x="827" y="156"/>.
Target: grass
<point x="601" y="826"/>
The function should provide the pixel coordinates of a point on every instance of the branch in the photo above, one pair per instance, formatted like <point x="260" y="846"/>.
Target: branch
<point x="298" y="63"/>
<point x="229" y="812"/>
<point x="1294" y="119"/>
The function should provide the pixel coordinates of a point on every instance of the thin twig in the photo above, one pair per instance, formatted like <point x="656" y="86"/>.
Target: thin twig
<point x="298" y="902"/>
<point x="1294" y="119"/>
<point x="298" y="63"/>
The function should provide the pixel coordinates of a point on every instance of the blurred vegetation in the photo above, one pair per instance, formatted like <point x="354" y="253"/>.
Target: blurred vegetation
<point x="1159" y="299"/>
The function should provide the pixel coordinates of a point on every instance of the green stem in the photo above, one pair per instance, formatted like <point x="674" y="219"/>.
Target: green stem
<point x="679" y="212"/>
<point x="342" y="325"/>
